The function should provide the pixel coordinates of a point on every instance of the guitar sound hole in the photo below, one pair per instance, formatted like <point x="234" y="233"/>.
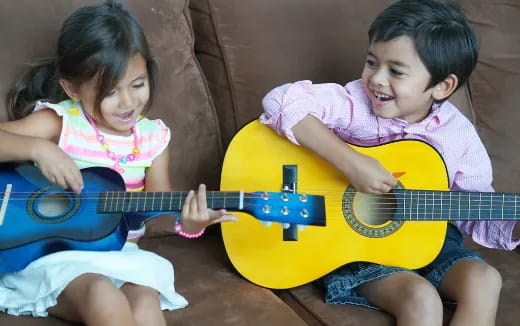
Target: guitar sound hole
<point x="53" y="205"/>
<point x="374" y="209"/>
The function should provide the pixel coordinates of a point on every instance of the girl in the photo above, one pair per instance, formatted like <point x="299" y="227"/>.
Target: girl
<point x="420" y="52"/>
<point x="83" y="108"/>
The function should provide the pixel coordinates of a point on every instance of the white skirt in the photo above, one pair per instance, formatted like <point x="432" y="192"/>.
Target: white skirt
<point x="36" y="288"/>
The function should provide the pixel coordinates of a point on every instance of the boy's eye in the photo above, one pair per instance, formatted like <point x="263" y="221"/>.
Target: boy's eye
<point x="370" y="63"/>
<point x="396" y="72"/>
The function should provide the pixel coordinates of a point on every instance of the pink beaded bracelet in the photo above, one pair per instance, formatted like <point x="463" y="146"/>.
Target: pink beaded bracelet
<point x="178" y="229"/>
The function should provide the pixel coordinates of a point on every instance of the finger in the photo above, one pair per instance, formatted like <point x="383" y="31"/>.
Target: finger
<point x="224" y="218"/>
<point x="186" y="207"/>
<point x="73" y="183"/>
<point x="194" y="206"/>
<point x="60" y="181"/>
<point x="201" y="200"/>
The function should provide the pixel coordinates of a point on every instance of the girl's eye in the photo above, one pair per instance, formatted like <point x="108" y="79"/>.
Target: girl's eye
<point x="139" y="85"/>
<point x="111" y="93"/>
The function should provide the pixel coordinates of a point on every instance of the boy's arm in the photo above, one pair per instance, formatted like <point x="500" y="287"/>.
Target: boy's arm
<point x="363" y="172"/>
<point x="475" y="174"/>
<point x="305" y="113"/>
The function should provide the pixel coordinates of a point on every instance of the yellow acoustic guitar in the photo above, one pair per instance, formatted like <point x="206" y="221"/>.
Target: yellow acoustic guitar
<point x="403" y="228"/>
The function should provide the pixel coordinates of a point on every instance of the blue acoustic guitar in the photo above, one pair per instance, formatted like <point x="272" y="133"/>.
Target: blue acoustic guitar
<point x="37" y="218"/>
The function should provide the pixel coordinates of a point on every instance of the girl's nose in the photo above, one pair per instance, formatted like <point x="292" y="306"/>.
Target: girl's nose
<point x="126" y="100"/>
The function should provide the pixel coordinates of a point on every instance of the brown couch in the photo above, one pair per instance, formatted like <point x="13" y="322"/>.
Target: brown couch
<point x="217" y="59"/>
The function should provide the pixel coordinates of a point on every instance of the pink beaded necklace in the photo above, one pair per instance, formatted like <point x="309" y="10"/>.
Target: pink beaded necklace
<point x="118" y="160"/>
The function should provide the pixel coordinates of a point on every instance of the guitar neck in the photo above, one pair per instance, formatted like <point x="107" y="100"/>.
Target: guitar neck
<point x="427" y="205"/>
<point x="163" y="202"/>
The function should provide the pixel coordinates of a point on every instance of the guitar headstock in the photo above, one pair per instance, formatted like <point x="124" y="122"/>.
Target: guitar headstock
<point x="285" y="207"/>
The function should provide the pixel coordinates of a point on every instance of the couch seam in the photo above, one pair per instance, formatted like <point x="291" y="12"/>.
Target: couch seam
<point x="220" y="44"/>
<point x="187" y="16"/>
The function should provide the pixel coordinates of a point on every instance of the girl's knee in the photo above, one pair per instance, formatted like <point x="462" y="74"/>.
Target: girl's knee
<point x="145" y="303"/>
<point x="101" y="294"/>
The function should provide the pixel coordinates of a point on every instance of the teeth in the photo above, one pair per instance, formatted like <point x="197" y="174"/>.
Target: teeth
<point x="382" y="97"/>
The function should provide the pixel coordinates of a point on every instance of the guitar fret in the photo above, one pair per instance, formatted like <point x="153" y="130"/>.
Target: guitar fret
<point x="503" y="199"/>
<point x="460" y="195"/>
<point x="491" y="205"/>
<point x="449" y="209"/>
<point x="153" y="200"/>
<point x="469" y="205"/>
<point x="162" y="199"/>
<point x="433" y="205"/>
<point x="479" y="205"/>
<point x="180" y="200"/>
<point x="117" y="200"/>
<point x="411" y="203"/>
<point x="130" y="203"/>
<point x="515" y="204"/>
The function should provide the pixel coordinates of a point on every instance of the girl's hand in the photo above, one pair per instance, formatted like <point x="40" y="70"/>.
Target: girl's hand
<point x="367" y="175"/>
<point x="196" y="215"/>
<point x="57" y="166"/>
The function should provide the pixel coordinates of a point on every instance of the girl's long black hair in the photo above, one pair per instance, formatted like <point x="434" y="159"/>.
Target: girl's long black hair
<point x="94" y="41"/>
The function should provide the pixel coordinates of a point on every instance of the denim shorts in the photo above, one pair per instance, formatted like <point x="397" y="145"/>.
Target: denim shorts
<point x="340" y="285"/>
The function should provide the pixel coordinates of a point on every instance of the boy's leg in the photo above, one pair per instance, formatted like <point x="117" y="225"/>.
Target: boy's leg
<point x="475" y="286"/>
<point x="93" y="300"/>
<point x="145" y="304"/>
<point x="409" y="297"/>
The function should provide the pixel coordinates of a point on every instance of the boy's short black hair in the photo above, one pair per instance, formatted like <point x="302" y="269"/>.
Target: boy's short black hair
<point x="440" y="31"/>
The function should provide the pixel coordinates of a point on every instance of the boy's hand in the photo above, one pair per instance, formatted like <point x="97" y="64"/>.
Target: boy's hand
<point x="57" y="166"/>
<point x="196" y="215"/>
<point x="367" y="175"/>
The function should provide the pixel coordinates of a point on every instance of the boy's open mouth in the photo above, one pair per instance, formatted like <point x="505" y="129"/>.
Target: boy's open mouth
<point x="382" y="97"/>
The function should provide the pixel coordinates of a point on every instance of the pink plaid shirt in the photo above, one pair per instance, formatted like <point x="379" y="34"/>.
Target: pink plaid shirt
<point x="346" y="111"/>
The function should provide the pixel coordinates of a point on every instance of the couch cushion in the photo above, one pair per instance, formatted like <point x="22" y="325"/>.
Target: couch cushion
<point x="247" y="47"/>
<point x="495" y="84"/>
<point x="29" y="29"/>
<point x="217" y="295"/>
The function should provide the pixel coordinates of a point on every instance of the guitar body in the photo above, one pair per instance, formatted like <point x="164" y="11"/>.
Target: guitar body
<point x="261" y="255"/>
<point x="37" y="218"/>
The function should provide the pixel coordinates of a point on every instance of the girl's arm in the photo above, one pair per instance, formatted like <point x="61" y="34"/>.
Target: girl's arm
<point x="195" y="213"/>
<point x="34" y="138"/>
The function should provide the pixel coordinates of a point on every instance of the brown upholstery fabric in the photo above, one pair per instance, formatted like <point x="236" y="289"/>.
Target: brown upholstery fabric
<point x="495" y="85"/>
<point x="247" y="47"/>
<point x="30" y="30"/>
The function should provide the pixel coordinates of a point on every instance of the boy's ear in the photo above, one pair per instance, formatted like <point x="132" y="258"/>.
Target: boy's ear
<point x="445" y="88"/>
<point x="70" y="89"/>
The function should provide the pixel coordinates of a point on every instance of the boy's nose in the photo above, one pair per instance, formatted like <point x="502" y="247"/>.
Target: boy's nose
<point x="379" y="78"/>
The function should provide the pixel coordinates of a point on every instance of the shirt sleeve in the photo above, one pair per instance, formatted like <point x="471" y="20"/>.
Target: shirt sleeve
<point x="288" y="104"/>
<point x="475" y="174"/>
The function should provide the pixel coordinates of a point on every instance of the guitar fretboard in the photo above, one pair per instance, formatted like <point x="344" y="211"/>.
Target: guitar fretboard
<point x="140" y="202"/>
<point x="425" y="205"/>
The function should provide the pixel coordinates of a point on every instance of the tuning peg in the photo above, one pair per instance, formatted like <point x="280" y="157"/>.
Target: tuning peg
<point x="285" y="225"/>
<point x="301" y="227"/>
<point x="267" y="223"/>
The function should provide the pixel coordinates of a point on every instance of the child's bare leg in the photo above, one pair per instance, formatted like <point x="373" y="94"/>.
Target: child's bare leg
<point x="412" y="299"/>
<point x="475" y="286"/>
<point x="93" y="300"/>
<point x="145" y="304"/>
